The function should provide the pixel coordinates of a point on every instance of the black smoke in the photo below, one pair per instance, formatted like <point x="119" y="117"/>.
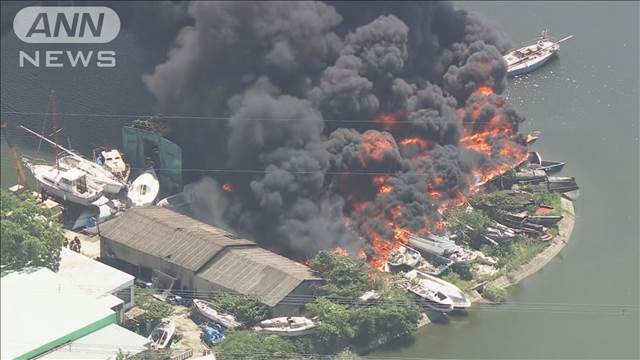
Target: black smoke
<point x="293" y="89"/>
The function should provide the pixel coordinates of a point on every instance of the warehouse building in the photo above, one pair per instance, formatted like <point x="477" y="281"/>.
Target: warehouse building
<point x="199" y="257"/>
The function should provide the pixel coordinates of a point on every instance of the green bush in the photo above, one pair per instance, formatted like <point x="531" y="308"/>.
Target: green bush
<point x="494" y="293"/>
<point x="247" y="309"/>
<point x="31" y="236"/>
<point x="344" y="275"/>
<point x="246" y="345"/>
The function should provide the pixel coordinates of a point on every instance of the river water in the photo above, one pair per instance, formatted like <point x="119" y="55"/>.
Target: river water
<point x="586" y="105"/>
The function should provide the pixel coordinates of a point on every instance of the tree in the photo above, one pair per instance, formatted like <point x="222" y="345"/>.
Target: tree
<point x="246" y="345"/>
<point x="469" y="224"/>
<point x="155" y="310"/>
<point x="395" y="316"/>
<point x="247" y="309"/>
<point x="344" y="275"/>
<point x="335" y="329"/>
<point x="31" y="236"/>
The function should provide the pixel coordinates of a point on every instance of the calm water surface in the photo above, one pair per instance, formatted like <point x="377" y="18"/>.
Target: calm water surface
<point x="586" y="105"/>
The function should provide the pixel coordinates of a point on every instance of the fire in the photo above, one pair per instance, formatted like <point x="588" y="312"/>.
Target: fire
<point x="388" y="121"/>
<point x="484" y="90"/>
<point x="340" y="251"/>
<point x="227" y="187"/>
<point x="375" y="144"/>
<point x="385" y="189"/>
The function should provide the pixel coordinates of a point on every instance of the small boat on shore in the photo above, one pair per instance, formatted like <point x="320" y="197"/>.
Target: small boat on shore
<point x="215" y="314"/>
<point x="431" y="298"/>
<point x="433" y="244"/>
<point x="459" y="299"/>
<point x="162" y="334"/>
<point x="531" y="57"/>
<point x="144" y="189"/>
<point x="111" y="160"/>
<point x="66" y="184"/>
<point x="546" y="220"/>
<point x="548" y="166"/>
<point x="404" y="255"/>
<point x="286" y="326"/>
<point x="95" y="173"/>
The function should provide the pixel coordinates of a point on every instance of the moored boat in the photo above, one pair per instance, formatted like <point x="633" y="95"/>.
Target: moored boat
<point x="286" y="326"/>
<point x="162" y="334"/>
<point x="215" y="314"/>
<point x="529" y="58"/>
<point x="459" y="299"/>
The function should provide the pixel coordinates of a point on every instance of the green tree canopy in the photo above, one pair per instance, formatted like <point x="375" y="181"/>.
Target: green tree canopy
<point x="335" y="329"/>
<point x="155" y="310"/>
<point x="344" y="275"/>
<point x="247" y="309"/>
<point x="31" y="236"/>
<point x="469" y="224"/>
<point x="246" y="345"/>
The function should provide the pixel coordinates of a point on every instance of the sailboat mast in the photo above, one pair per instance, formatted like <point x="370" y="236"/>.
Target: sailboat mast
<point x="54" y="123"/>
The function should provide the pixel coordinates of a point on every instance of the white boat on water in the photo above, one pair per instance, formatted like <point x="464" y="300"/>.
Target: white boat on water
<point x="529" y="58"/>
<point x="215" y="314"/>
<point x="286" y="326"/>
<point x="162" y="334"/>
<point x="459" y="299"/>
<point x="144" y="189"/>
<point x="66" y="184"/>
<point x="96" y="174"/>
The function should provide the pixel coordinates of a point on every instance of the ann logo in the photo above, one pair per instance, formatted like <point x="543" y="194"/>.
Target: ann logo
<point x="88" y="24"/>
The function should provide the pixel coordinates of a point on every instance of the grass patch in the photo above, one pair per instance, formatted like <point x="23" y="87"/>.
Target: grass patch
<point x="454" y="278"/>
<point x="494" y="293"/>
<point x="522" y="251"/>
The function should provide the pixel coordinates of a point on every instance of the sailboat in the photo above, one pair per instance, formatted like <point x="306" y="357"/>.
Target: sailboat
<point x="96" y="174"/>
<point x="66" y="184"/>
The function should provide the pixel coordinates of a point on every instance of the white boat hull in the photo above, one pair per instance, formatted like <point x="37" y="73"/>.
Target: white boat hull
<point x="144" y="189"/>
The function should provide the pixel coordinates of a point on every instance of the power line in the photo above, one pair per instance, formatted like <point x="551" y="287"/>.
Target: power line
<point x="196" y="117"/>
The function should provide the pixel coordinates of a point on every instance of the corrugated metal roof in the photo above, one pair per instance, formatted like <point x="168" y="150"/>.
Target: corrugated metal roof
<point x="256" y="271"/>
<point x="166" y="234"/>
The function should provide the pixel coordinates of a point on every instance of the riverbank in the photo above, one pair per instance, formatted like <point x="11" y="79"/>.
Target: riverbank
<point x="513" y="277"/>
<point x="565" y="228"/>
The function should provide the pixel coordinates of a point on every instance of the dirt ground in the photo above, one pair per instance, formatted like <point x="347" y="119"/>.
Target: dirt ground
<point x="188" y="329"/>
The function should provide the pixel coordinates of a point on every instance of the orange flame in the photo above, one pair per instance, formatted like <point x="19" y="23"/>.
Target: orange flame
<point x="388" y="121"/>
<point x="375" y="144"/>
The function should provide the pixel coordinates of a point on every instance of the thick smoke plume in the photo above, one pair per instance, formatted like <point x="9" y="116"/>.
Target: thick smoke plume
<point x="342" y="124"/>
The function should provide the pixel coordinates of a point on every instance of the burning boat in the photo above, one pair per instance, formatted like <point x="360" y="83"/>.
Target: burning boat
<point x="437" y="285"/>
<point x="286" y="326"/>
<point x="404" y="255"/>
<point x="529" y="58"/>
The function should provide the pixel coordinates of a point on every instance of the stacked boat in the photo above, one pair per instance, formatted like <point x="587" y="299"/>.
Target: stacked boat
<point x="404" y="256"/>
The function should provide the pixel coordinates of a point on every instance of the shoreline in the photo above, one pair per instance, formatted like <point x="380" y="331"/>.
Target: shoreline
<point x="565" y="228"/>
<point x="515" y="276"/>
